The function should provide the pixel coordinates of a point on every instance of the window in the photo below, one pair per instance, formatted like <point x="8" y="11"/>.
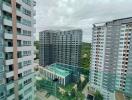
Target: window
<point x="9" y="79"/>
<point x="28" y="2"/>
<point x="26" y="43"/>
<point x="26" y="12"/>
<point x="28" y="91"/>
<point x="26" y="63"/>
<point x="20" y="65"/>
<point x="27" y="72"/>
<point x="20" y="97"/>
<point x="1" y="55"/>
<point x="26" y="22"/>
<point x="10" y="91"/>
<point x="26" y="33"/>
<point x="26" y="82"/>
<point x="26" y="53"/>
<point x="1" y="94"/>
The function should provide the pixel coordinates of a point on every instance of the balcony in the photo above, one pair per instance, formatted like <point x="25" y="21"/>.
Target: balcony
<point x="8" y="34"/>
<point x="11" y="92"/>
<point x="1" y="55"/>
<point x="9" y="62"/>
<point x="19" y="54"/>
<point x="19" y="1"/>
<point x="8" y="49"/>
<point x="22" y="48"/>
<point x="11" y="97"/>
<point x="8" y="46"/>
<point x="20" y="65"/>
<point x="7" y="21"/>
<point x="20" y="86"/>
<point x="10" y="74"/>
<point x="22" y="37"/>
<point x="9" y="55"/>
<point x="9" y="68"/>
<point x="20" y="76"/>
<point x="21" y="97"/>
<point x="19" y="12"/>
<point x="19" y="25"/>
<point x="9" y="80"/>
<point x="1" y="68"/>
<point x="18" y="9"/>
<point x="7" y="7"/>
<point x="19" y="44"/>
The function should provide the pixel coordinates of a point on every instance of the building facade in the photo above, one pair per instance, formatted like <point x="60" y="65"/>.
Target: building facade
<point x="16" y="49"/>
<point x="60" y="46"/>
<point x="111" y="57"/>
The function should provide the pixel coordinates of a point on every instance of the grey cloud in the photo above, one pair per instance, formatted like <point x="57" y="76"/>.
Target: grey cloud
<point x="79" y="13"/>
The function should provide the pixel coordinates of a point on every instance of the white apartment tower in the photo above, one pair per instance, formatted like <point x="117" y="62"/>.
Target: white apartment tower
<point x="111" y="62"/>
<point x="16" y="49"/>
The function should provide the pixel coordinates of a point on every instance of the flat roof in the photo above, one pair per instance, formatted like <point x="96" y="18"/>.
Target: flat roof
<point x="54" y="68"/>
<point x="115" y="19"/>
<point x="61" y="29"/>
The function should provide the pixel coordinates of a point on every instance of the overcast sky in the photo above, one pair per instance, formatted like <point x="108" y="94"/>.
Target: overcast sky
<point x="79" y="13"/>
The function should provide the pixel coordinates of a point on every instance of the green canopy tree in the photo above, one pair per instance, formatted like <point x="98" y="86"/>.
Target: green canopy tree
<point x="98" y="96"/>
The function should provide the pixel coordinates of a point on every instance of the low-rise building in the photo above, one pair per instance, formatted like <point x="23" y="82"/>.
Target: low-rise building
<point x="63" y="72"/>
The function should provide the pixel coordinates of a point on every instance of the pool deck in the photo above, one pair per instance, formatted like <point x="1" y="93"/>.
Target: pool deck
<point x="54" y="68"/>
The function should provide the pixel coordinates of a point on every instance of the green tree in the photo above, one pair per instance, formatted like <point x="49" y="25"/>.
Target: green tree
<point x="85" y="55"/>
<point x="36" y="44"/>
<point x="79" y="96"/>
<point x="73" y="93"/>
<point x="98" y="96"/>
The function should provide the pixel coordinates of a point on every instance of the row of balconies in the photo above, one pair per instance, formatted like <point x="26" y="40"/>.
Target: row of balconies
<point x="9" y="55"/>
<point x="19" y="11"/>
<point x="20" y="54"/>
<point x="21" y="88"/>
<point x="20" y="37"/>
<point x="8" y="23"/>
<point x="8" y="18"/>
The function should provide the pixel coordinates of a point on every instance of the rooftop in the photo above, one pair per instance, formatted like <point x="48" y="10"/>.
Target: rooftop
<point x="61" y="29"/>
<point x="56" y="69"/>
<point x="111" y="20"/>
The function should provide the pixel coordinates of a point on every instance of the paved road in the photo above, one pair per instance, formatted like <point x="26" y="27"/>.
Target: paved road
<point x="41" y="96"/>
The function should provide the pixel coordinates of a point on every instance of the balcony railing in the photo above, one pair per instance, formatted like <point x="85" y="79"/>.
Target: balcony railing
<point x="1" y="55"/>
<point x="8" y="4"/>
<point x="11" y="93"/>
<point x="19" y="33"/>
<point x="18" y="21"/>
<point x="9" y="32"/>
<point x="8" y="18"/>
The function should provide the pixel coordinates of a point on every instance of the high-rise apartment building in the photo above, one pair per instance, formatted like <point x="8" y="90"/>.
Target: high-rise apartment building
<point x="111" y="62"/>
<point x="16" y="49"/>
<point x="60" y="47"/>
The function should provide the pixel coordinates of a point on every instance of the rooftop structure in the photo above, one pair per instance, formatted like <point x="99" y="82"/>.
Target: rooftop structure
<point x="59" y="72"/>
<point x="65" y="73"/>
